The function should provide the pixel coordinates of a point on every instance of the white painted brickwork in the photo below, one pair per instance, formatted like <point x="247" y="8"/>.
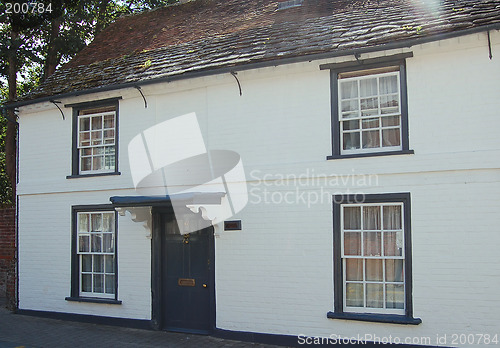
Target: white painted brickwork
<point x="276" y="275"/>
<point x="45" y="273"/>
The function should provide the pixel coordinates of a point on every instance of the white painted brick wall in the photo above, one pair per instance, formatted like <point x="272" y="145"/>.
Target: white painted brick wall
<point x="45" y="254"/>
<point x="276" y="275"/>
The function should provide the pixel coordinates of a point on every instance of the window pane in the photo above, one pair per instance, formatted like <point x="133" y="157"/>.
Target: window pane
<point x="349" y="105"/>
<point x="86" y="152"/>
<point x="393" y="243"/>
<point x="86" y="283"/>
<point x="352" y="218"/>
<point x="108" y="222"/>
<point x="96" y="222"/>
<point x="368" y="87"/>
<point x="369" y="103"/>
<point x="374" y="270"/>
<point x="369" y="106"/>
<point x="371" y="139"/>
<point x="350" y="125"/>
<point x="109" y="134"/>
<point x="352" y="243"/>
<point x="110" y="284"/>
<point x="108" y="243"/>
<point x="96" y="138"/>
<point x="392" y="217"/>
<point x="86" y="164"/>
<point x="99" y="283"/>
<point x="83" y="244"/>
<point x="351" y="141"/>
<point x="370" y="112"/>
<point x="99" y="263"/>
<point x="388" y="84"/>
<point x="350" y="114"/>
<point x="389" y="121"/>
<point x="394" y="271"/>
<point x="84" y="124"/>
<point x="109" y="263"/>
<point x="83" y="222"/>
<point x="394" y="296"/>
<point x="109" y="121"/>
<point x="390" y="137"/>
<point x="374" y="296"/>
<point x="98" y="151"/>
<point x="372" y="243"/>
<point x="96" y="240"/>
<point x="354" y="269"/>
<point x="370" y="123"/>
<point x="97" y="163"/>
<point x="371" y="218"/>
<point x="354" y="295"/>
<point x="389" y="104"/>
<point x="86" y="263"/>
<point x="96" y="122"/>
<point x="348" y="89"/>
<point x="109" y="162"/>
<point x="85" y="139"/>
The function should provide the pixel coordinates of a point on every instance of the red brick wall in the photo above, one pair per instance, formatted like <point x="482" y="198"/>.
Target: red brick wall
<point x="8" y="255"/>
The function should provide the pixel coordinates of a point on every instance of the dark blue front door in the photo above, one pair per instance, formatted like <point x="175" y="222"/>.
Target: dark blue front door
<point x="186" y="278"/>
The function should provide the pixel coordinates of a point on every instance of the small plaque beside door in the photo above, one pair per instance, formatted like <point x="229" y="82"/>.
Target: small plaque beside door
<point x="233" y="225"/>
<point x="186" y="282"/>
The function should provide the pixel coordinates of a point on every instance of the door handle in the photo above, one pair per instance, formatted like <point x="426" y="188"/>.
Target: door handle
<point x="204" y="285"/>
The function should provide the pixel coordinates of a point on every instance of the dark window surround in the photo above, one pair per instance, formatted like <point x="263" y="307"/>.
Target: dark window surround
<point x="75" y="166"/>
<point x="338" y="312"/>
<point x="75" y="266"/>
<point x="92" y="300"/>
<point x="365" y="64"/>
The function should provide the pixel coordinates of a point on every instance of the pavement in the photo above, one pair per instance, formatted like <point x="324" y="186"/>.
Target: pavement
<point x="22" y="331"/>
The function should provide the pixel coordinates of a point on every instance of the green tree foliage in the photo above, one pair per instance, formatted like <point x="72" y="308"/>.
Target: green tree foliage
<point x="5" y="187"/>
<point x="34" y="43"/>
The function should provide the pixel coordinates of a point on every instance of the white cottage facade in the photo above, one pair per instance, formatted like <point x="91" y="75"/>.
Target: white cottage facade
<point x="372" y="187"/>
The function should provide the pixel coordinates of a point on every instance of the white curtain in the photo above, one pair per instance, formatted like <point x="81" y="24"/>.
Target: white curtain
<point x="368" y="87"/>
<point x="388" y="84"/>
<point x="371" y="218"/>
<point x="352" y="218"/>
<point x="349" y="89"/>
<point x="392" y="217"/>
<point x="390" y="137"/>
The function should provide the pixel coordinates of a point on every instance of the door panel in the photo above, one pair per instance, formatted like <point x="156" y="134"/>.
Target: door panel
<point x="186" y="279"/>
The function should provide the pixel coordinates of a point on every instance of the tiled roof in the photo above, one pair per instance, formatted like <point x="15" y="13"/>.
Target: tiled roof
<point x="203" y="35"/>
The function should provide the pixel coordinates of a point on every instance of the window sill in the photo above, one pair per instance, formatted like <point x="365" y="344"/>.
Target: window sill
<point x="93" y="300"/>
<point x="91" y="175"/>
<point x="371" y="154"/>
<point x="378" y="318"/>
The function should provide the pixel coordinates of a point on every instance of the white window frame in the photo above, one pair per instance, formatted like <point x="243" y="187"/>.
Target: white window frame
<point x="81" y="254"/>
<point x="364" y="309"/>
<point x="381" y="148"/>
<point x="91" y="147"/>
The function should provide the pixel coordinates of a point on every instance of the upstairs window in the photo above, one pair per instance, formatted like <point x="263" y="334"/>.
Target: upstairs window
<point x="369" y="107"/>
<point x="370" y="111"/>
<point x="95" y="138"/>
